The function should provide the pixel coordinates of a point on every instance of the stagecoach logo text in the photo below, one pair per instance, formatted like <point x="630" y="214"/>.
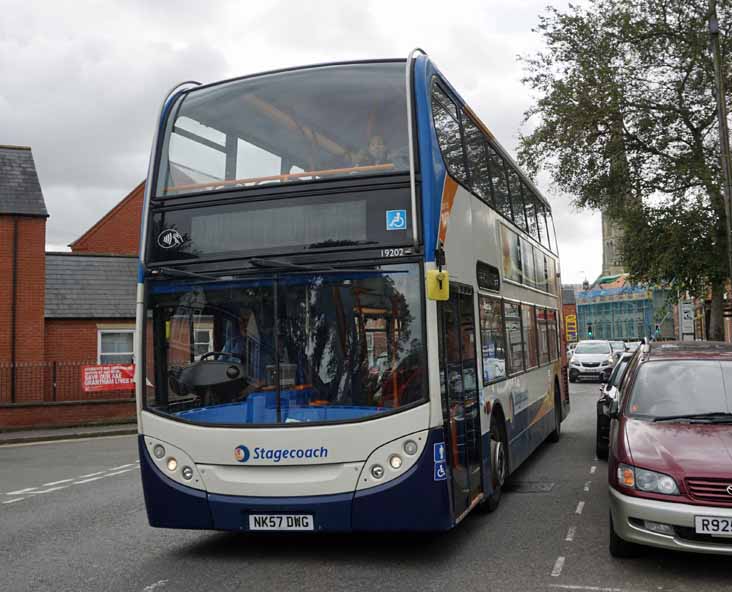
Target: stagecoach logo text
<point x="170" y="238"/>
<point x="242" y="454"/>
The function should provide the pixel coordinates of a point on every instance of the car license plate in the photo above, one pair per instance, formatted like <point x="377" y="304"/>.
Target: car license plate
<point x="281" y="522"/>
<point x="714" y="525"/>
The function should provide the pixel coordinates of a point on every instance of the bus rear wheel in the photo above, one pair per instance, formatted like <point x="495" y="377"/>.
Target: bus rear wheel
<point x="499" y="464"/>
<point x="557" y="433"/>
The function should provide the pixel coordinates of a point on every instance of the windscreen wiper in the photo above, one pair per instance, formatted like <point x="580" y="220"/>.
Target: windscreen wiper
<point x="713" y="417"/>
<point x="272" y="263"/>
<point x="172" y="271"/>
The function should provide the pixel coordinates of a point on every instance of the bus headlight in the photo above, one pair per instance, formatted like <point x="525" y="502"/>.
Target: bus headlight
<point x="395" y="461"/>
<point x="410" y="447"/>
<point x="187" y="473"/>
<point x="172" y="464"/>
<point x="377" y="471"/>
<point x="159" y="451"/>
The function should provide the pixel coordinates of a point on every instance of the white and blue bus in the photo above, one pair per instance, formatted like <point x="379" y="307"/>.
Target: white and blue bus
<point x="348" y="305"/>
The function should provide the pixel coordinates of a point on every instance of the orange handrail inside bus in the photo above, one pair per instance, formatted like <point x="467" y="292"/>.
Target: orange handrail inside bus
<point x="353" y="169"/>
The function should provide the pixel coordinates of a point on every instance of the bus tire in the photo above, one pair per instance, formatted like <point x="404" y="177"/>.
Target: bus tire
<point x="557" y="433"/>
<point x="499" y="463"/>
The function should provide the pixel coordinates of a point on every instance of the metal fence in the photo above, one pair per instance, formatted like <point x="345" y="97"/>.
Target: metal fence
<point x="38" y="382"/>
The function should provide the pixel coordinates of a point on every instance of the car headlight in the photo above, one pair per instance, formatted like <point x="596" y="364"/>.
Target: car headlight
<point x="648" y="481"/>
<point x="574" y="362"/>
<point x="610" y="360"/>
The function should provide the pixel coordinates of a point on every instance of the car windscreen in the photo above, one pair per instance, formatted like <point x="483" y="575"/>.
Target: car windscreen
<point x="680" y="387"/>
<point x="601" y="347"/>
<point x="299" y="125"/>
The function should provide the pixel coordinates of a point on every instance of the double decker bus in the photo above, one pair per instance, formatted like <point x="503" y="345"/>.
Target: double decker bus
<point x="348" y="305"/>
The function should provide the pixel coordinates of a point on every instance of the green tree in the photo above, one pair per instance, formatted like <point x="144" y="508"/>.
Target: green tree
<point x="625" y="121"/>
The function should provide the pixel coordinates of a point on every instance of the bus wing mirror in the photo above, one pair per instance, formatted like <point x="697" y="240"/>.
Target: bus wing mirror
<point x="438" y="285"/>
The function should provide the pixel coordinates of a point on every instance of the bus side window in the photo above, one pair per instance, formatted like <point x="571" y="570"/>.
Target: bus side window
<point x="514" y="341"/>
<point x="530" y="208"/>
<point x="541" y="325"/>
<point x="499" y="181"/>
<point x="480" y="177"/>
<point x="492" y="339"/>
<point x="517" y="201"/>
<point x="447" y="128"/>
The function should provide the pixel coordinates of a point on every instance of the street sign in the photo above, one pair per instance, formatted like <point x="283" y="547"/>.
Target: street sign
<point x="686" y="319"/>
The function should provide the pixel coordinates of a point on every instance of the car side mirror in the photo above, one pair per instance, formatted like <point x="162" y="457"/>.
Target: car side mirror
<point x="614" y="412"/>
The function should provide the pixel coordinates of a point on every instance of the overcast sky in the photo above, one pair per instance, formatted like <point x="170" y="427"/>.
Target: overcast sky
<point x="82" y="81"/>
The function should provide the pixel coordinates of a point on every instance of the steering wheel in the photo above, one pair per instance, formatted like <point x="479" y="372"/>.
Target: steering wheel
<point x="218" y="353"/>
<point x="224" y="377"/>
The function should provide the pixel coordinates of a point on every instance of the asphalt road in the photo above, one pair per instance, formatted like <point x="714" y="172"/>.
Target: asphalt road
<point x="72" y="519"/>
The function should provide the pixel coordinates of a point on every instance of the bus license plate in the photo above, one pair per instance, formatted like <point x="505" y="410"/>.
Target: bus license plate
<point x="714" y="525"/>
<point x="281" y="522"/>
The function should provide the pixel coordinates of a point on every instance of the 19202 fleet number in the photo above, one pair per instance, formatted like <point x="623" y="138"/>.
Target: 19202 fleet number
<point x="392" y="252"/>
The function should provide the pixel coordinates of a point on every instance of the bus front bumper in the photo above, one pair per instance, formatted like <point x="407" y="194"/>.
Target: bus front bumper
<point x="412" y="502"/>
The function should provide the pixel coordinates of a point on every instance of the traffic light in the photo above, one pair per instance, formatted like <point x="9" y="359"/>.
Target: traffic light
<point x="589" y="330"/>
<point x="658" y="330"/>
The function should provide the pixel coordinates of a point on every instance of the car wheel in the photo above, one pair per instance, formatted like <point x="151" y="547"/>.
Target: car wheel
<point x="572" y="378"/>
<point x="621" y="548"/>
<point x="499" y="465"/>
<point x="601" y="448"/>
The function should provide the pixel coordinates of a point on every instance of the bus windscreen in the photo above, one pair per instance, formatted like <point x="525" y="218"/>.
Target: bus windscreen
<point x="299" y="125"/>
<point x="297" y="348"/>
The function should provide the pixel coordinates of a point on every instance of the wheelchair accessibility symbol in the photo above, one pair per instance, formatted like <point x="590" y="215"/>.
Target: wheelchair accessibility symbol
<point x="440" y="471"/>
<point x="396" y="219"/>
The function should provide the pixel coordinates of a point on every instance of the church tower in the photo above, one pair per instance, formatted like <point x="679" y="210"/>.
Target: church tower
<point x="612" y="240"/>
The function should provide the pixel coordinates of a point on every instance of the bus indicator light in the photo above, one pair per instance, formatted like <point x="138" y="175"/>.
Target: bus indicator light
<point x="377" y="471"/>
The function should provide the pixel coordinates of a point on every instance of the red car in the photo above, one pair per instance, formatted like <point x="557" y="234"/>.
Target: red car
<point x="670" y="461"/>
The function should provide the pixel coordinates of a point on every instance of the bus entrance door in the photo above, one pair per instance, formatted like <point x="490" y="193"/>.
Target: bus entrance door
<point x="459" y="389"/>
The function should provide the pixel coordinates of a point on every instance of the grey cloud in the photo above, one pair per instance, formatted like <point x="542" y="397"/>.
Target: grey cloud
<point x="82" y="81"/>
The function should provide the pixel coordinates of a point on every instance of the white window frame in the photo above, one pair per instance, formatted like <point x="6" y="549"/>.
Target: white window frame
<point x="100" y="332"/>
<point x="210" y="341"/>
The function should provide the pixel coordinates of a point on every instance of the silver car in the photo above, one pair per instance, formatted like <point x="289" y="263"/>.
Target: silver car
<point x="591" y="359"/>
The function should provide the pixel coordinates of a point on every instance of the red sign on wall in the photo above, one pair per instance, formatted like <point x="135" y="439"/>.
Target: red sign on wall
<point x="108" y="377"/>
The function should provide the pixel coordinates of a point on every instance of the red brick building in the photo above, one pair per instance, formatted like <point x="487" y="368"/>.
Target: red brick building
<point x="62" y="311"/>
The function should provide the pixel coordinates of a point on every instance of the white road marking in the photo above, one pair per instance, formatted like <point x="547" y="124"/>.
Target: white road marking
<point x="557" y="569"/>
<point x="12" y="501"/>
<point x="593" y="469"/>
<point x="49" y="490"/>
<point x="90" y="475"/>
<point x="89" y="480"/>
<point x="47" y="442"/>
<point x="588" y="588"/>
<point x="118" y="472"/>
<point x="158" y="584"/>
<point x="580" y="507"/>
<point x="121" y="467"/>
<point x="570" y="534"/>
<point x="19" y="491"/>
<point x="587" y="485"/>
<point x="52" y="483"/>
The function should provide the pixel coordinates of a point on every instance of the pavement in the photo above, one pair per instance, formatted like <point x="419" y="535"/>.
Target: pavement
<point x="72" y="518"/>
<point x="73" y="433"/>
